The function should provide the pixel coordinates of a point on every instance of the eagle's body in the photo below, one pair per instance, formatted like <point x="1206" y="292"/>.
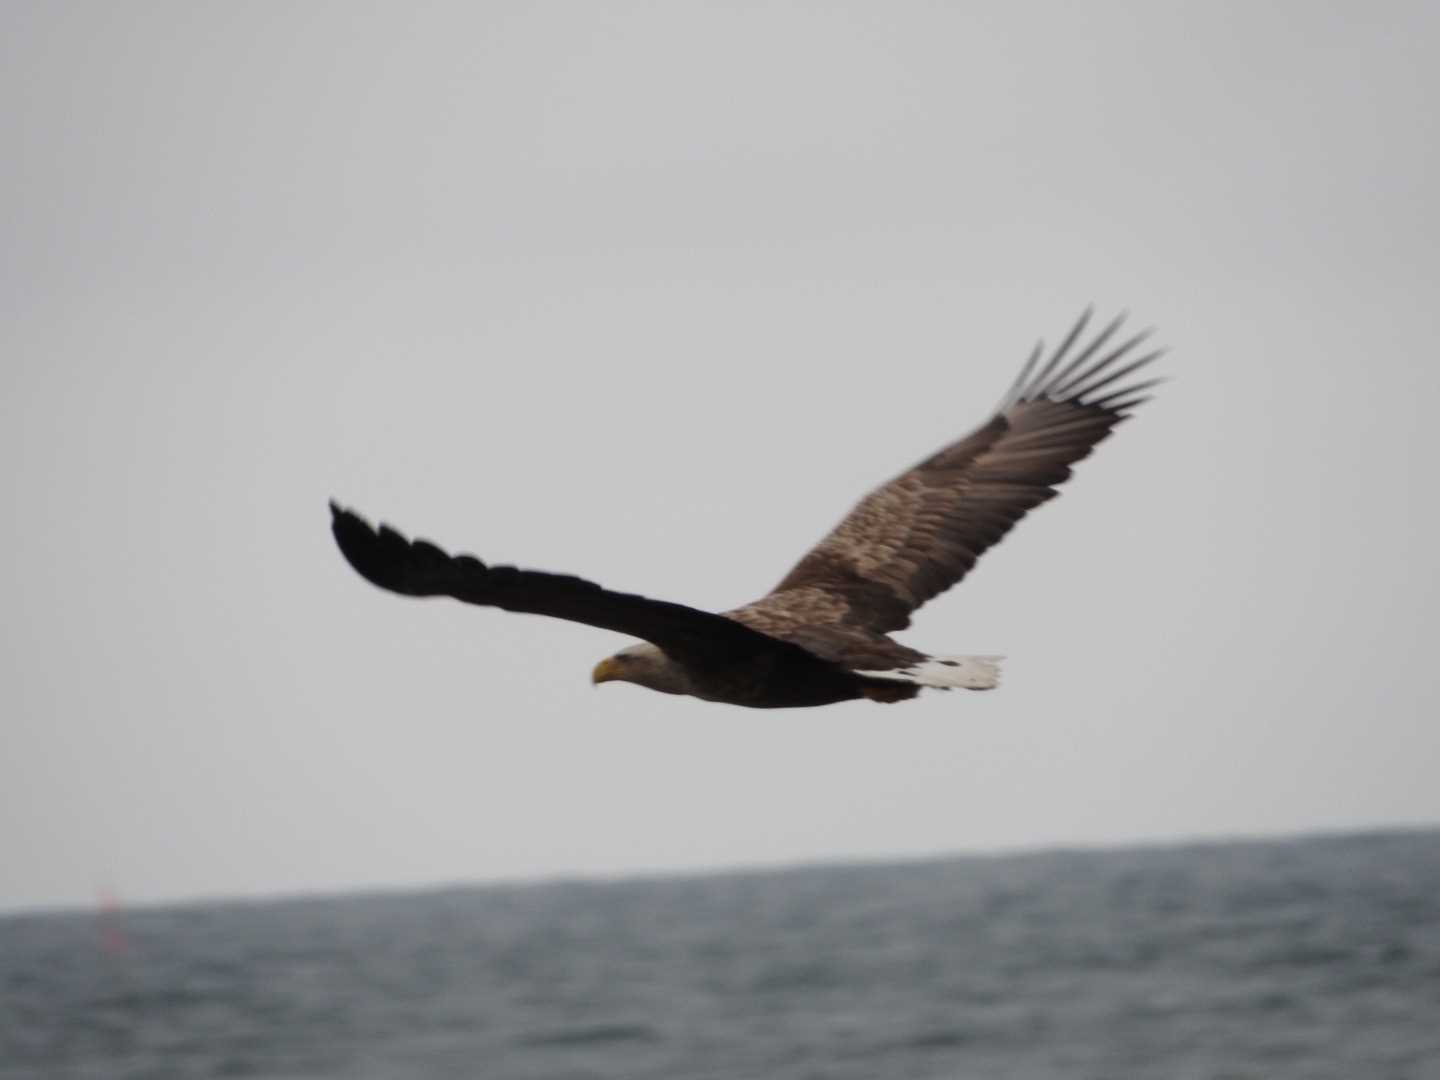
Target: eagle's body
<point x="822" y="635"/>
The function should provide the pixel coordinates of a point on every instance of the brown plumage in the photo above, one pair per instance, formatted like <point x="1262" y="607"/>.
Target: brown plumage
<point x="821" y="635"/>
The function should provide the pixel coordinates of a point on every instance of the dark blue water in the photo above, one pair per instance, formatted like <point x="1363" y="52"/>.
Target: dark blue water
<point x="1315" y="958"/>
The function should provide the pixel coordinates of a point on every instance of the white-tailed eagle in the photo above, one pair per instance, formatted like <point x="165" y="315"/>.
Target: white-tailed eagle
<point x="821" y="635"/>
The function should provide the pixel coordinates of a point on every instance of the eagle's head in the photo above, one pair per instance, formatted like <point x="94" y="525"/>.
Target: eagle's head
<point x="644" y="665"/>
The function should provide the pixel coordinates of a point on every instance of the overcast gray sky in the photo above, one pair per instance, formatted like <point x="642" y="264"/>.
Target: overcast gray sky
<point x="652" y="293"/>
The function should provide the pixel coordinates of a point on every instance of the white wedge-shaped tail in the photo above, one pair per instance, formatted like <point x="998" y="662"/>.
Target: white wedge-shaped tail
<point x="948" y="672"/>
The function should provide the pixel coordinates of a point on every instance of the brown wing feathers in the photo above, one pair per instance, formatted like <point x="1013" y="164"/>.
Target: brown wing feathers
<point x="918" y="535"/>
<point x="418" y="568"/>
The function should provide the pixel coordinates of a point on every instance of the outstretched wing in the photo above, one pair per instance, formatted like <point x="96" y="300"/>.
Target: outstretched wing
<point x="916" y="536"/>
<point x="418" y="568"/>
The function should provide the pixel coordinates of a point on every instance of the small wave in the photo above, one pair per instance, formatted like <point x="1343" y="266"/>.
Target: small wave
<point x="593" y="1035"/>
<point x="941" y="1039"/>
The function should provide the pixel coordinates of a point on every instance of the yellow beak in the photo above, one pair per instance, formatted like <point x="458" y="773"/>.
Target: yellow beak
<point x="606" y="670"/>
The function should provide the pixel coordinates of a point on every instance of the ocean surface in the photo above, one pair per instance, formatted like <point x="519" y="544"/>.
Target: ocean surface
<point x="1314" y="958"/>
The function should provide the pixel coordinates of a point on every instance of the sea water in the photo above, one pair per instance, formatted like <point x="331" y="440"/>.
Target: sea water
<point x="1314" y="958"/>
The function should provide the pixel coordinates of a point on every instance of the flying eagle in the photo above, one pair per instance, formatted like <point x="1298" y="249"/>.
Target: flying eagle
<point x="821" y="635"/>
